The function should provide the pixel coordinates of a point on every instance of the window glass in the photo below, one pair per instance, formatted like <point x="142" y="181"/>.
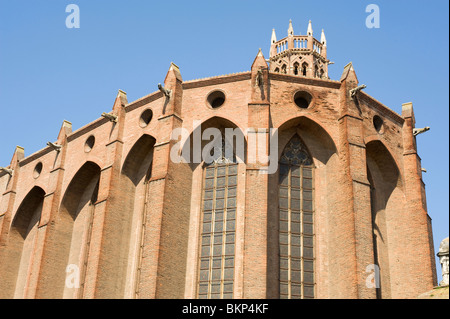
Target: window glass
<point x="296" y="222"/>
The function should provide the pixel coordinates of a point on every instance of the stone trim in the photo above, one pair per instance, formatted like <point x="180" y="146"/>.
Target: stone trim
<point x="217" y="80"/>
<point x="143" y="101"/>
<point x="97" y="123"/>
<point x="380" y="107"/>
<point x="304" y="80"/>
<point x="35" y="156"/>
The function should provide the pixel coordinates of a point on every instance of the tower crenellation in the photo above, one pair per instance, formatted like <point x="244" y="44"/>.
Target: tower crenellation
<point x="299" y="55"/>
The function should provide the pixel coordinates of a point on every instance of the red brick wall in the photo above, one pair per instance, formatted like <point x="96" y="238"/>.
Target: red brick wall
<point x="336" y="129"/>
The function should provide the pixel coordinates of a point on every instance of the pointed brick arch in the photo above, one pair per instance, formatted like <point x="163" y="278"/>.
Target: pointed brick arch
<point x="69" y="237"/>
<point x="215" y="213"/>
<point x="315" y="136"/>
<point x="218" y="227"/>
<point x="20" y="247"/>
<point x="135" y="183"/>
<point x="318" y="150"/>
<point x="304" y="69"/>
<point x="221" y="123"/>
<point x="139" y="155"/>
<point x="386" y="201"/>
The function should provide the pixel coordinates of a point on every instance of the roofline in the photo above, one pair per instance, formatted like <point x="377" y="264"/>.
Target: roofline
<point x="383" y="108"/>
<point x="215" y="80"/>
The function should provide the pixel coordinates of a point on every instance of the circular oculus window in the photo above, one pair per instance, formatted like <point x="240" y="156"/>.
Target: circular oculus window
<point x="378" y="124"/>
<point x="89" y="145"/>
<point x="37" y="170"/>
<point x="216" y="99"/>
<point x="302" y="99"/>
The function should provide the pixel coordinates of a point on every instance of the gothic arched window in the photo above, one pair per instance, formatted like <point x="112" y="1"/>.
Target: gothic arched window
<point x="321" y="73"/>
<point x="218" y="228"/>
<point x="296" y="218"/>
<point x="304" y="68"/>
<point x="296" y="68"/>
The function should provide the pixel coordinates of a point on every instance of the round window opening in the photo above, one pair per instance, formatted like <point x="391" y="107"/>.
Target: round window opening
<point x="89" y="144"/>
<point x="302" y="99"/>
<point x="378" y="124"/>
<point x="216" y="99"/>
<point x="37" y="170"/>
<point x="145" y="118"/>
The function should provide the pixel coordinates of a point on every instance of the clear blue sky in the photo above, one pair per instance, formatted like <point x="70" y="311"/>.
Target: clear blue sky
<point x="49" y="73"/>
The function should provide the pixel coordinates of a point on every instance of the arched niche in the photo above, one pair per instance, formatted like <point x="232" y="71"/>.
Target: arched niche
<point x="134" y="184"/>
<point x="318" y="140"/>
<point x="66" y="254"/>
<point x="199" y="138"/>
<point x="18" y="254"/>
<point x="387" y="202"/>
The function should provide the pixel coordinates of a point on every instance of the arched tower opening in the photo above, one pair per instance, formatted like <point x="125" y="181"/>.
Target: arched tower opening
<point x="296" y="68"/>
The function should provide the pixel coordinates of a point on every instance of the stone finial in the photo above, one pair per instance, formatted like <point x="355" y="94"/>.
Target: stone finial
<point x="443" y="259"/>
<point x="291" y="29"/>
<point x="323" y="40"/>
<point x="274" y="37"/>
<point x="309" y="32"/>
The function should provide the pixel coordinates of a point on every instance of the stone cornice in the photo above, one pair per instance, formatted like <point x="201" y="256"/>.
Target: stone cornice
<point x="304" y="80"/>
<point x="217" y="80"/>
<point x="85" y="129"/>
<point x="380" y="107"/>
<point x="143" y="101"/>
<point x="35" y="156"/>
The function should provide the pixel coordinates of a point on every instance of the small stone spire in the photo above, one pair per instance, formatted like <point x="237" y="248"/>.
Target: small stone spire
<point x="310" y="30"/>
<point x="274" y="37"/>
<point x="291" y="29"/>
<point x="323" y="40"/>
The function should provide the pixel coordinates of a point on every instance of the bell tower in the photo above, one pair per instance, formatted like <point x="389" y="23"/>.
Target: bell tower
<point x="300" y="55"/>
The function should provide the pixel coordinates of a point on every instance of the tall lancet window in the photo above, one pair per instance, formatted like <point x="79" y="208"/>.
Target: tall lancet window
<point x="218" y="228"/>
<point x="296" y="217"/>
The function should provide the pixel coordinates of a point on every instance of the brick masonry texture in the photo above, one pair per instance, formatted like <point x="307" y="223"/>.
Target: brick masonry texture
<point x="128" y="217"/>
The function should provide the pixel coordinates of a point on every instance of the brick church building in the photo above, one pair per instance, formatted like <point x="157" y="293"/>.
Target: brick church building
<point x="105" y="211"/>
